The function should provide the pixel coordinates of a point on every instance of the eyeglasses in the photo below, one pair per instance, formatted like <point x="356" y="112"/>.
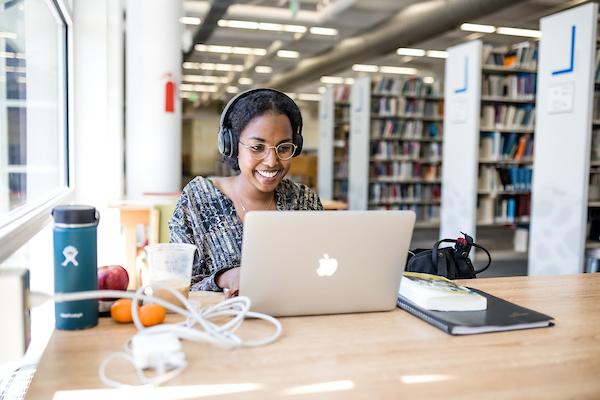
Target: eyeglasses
<point x="259" y="151"/>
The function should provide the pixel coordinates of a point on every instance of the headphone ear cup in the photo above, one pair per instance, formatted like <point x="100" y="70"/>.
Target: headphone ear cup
<point x="225" y="144"/>
<point x="298" y="140"/>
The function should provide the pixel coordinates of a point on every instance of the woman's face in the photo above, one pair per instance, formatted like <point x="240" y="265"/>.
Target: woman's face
<point x="269" y="129"/>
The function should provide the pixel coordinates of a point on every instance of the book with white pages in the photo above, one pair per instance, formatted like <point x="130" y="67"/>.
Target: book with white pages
<point x="433" y="292"/>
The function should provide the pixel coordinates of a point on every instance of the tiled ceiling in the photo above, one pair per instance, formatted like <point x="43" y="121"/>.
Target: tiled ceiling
<point x="351" y="20"/>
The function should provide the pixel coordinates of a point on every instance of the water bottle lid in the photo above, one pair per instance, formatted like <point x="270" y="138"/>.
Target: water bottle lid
<point x="75" y="215"/>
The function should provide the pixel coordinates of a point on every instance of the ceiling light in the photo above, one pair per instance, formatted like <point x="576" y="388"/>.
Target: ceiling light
<point x="335" y="80"/>
<point x="403" y="51"/>
<point x="428" y="79"/>
<point x="213" y="67"/>
<point x="322" y="89"/>
<point x="478" y="28"/>
<point x="262" y="26"/>
<point x="502" y="30"/>
<point x="197" y="88"/>
<point x="232" y="89"/>
<point x="318" y="30"/>
<point x="205" y="79"/>
<point x="230" y="50"/>
<point x="238" y="24"/>
<point x="437" y="54"/>
<point x="8" y="35"/>
<point x="287" y="54"/>
<point x="263" y="69"/>
<point x="397" y="70"/>
<point x="349" y="81"/>
<point x="365" y="68"/>
<point x="190" y="20"/>
<point x="309" y="96"/>
<point x="245" y="81"/>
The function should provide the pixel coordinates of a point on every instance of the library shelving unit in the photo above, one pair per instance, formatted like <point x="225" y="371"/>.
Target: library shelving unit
<point x="593" y="239"/>
<point x="404" y="147"/>
<point x="341" y="140"/>
<point x="334" y="128"/>
<point x="507" y="120"/>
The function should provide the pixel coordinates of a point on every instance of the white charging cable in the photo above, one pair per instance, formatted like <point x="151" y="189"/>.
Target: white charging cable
<point x="166" y="358"/>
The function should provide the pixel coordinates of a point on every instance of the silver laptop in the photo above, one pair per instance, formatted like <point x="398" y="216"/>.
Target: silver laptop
<point x="324" y="262"/>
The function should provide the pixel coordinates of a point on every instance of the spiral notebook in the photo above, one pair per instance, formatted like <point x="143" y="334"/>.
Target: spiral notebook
<point x="500" y="315"/>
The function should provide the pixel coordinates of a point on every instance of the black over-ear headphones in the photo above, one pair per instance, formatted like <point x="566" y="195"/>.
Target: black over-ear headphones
<point x="228" y="147"/>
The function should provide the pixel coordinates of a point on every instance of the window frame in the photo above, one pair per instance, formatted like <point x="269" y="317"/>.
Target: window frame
<point x="26" y="221"/>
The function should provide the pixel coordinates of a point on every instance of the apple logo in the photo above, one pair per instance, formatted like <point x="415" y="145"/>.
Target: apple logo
<point x="327" y="266"/>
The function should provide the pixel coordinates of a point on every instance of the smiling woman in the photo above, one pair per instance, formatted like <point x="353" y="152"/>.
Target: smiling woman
<point x="260" y="133"/>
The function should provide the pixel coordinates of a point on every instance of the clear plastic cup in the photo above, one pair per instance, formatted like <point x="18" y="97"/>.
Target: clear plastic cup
<point x="170" y="264"/>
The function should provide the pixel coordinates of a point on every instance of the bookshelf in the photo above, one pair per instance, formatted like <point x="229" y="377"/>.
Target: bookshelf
<point x="508" y="87"/>
<point x="341" y="141"/>
<point x="593" y="219"/>
<point x="405" y="144"/>
<point x="334" y="129"/>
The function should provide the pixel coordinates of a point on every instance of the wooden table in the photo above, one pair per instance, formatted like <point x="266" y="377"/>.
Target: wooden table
<point x="386" y="355"/>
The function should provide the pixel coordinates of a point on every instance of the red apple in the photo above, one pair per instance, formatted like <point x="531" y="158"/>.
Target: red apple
<point x="112" y="277"/>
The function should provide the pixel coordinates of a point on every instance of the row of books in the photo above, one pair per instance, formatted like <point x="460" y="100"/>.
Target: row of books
<point x="597" y="74"/>
<point x="518" y="86"/>
<point x="409" y="129"/>
<point x="398" y="106"/>
<point x="341" y="113"/>
<point x="505" y="146"/>
<point x="412" y="86"/>
<point x="340" y="190"/>
<point x="341" y="93"/>
<point x="404" y="170"/>
<point x="504" y="179"/>
<point x="386" y="150"/>
<point x="595" y="145"/>
<point x="504" y="210"/>
<point x="596" y="113"/>
<point x="520" y="55"/>
<point x="503" y="116"/>
<point x="388" y="193"/>
<point x="425" y="213"/>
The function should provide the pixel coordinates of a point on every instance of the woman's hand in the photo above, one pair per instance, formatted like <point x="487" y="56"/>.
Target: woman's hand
<point x="230" y="279"/>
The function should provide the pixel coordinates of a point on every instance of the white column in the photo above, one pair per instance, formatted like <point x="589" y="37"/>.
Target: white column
<point x="461" y="140"/>
<point x="562" y="141"/>
<point x="360" y="122"/>
<point x="153" y="136"/>
<point x="326" y="153"/>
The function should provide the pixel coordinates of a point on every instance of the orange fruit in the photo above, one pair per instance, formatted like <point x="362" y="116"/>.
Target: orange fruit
<point x="120" y="311"/>
<point x="152" y="314"/>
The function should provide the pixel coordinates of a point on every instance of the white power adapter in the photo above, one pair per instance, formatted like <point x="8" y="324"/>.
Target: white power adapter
<point x="16" y="319"/>
<point x="160" y="351"/>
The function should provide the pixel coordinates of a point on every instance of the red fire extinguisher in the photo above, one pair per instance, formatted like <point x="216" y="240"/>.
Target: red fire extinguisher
<point x="169" y="94"/>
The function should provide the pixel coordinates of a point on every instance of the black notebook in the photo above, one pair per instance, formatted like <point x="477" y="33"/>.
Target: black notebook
<point x="500" y="315"/>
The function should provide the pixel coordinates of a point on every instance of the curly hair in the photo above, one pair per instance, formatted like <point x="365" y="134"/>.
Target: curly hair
<point x="255" y="104"/>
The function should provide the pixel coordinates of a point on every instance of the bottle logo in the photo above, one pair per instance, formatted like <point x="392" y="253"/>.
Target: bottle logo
<point x="70" y="253"/>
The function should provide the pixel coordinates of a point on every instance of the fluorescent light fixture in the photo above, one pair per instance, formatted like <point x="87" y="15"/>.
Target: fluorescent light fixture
<point x="403" y="51"/>
<point x="349" y="81"/>
<point x="291" y="95"/>
<point x="397" y="70"/>
<point x="197" y="88"/>
<point x="287" y="54"/>
<point x="190" y="20"/>
<point x="437" y="54"/>
<point x="245" y="81"/>
<point x="263" y="69"/>
<point x="478" y="28"/>
<point x="205" y="79"/>
<point x="232" y="89"/>
<point x="230" y="50"/>
<point x="365" y="68"/>
<point x="8" y="35"/>
<point x="428" y="79"/>
<point x="309" y="96"/>
<point x="261" y="26"/>
<point x="502" y="30"/>
<point x="213" y="67"/>
<point x="318" y="30"/>
<point x="322" y="89"/>
<point x="334" y="80"/>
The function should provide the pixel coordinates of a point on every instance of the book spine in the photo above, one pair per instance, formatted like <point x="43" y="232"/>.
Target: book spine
<point x="427" y="318"/>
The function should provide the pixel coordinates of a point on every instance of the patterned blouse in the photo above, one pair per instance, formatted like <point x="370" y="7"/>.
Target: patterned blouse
<point x="206" y="217"/>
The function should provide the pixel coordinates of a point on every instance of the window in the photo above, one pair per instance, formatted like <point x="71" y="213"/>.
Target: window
<point x="34" y="167"/>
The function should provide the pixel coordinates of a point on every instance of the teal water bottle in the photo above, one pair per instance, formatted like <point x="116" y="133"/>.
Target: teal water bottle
<point x="75" y="264"/>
